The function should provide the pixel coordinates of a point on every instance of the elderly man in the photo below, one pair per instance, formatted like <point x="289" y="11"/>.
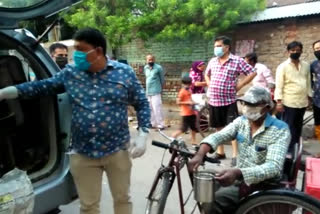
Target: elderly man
<point x="154" y="84"/>
<point x="263" y="143"/>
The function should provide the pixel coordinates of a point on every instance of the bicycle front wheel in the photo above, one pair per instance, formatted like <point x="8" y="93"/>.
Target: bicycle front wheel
<point x="280" y="202"/>
<point x="203" y="122"/>
<point x="157" y="202"/>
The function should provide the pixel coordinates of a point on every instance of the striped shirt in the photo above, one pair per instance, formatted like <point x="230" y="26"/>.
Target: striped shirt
<point x="261" y="157"/>
<point x="223" y="79"/>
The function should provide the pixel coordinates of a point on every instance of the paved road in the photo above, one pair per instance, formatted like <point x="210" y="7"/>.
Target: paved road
<point x="144" y="170"/>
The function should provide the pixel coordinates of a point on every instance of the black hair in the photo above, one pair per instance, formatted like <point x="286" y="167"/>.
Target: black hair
<point x="315" y="43"/>
<point x="225" y="40"/>
<point x="93" y="37"/>
<point x="294" y="44"/>
<point x="252" y="57"/>
<point x="124" y="61"/>
<point x="55" y="46"/>
<point x="186" y="80"/>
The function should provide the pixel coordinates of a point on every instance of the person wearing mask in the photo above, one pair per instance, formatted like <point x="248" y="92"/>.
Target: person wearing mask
<point x="315" y="82"/>
<point x="221" y="76"/>
<point x="154" y="85"/>
<point x="293" y="90"/>
<point x="59" y="53"/>
<point x="100" y="91"/>
<point x="263" y="143"/>
<point x="196" y="74"/>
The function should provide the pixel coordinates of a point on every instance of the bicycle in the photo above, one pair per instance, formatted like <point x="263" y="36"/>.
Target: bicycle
<point x="202" y="114"/>
<point x="280" y="200"/>
<point x="166" y="175"/>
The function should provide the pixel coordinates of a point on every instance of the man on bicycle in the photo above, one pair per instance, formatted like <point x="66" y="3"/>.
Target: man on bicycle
<point x="263" y="143"/>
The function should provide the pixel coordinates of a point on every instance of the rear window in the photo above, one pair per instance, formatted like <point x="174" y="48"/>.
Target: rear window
<point x="19" y="3"/>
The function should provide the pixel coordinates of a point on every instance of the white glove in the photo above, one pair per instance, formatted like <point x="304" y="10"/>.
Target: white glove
<point x="10" y="92"/>
<point x="139" y="146"/>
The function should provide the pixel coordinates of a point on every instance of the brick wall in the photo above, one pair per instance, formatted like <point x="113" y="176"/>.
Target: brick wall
<point x="175" y="57"/>
<point x="271" y="39"/>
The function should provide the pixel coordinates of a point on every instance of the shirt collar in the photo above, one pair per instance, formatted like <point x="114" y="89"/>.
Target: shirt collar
<point x="290" y="62"/>
<point x="268" y="120"/>
<point x="111" y="63"/>
<point x="231" y="57"/>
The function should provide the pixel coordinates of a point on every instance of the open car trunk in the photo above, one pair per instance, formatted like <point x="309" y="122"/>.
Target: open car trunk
<point x="28" y="128"/>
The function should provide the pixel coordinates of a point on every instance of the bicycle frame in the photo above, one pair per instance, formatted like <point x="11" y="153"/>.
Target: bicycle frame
<point x="174" y="166"/>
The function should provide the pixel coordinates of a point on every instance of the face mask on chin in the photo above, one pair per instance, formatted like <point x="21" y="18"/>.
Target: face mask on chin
<point x="252" y="113"/>
<point x="151" y="64"/>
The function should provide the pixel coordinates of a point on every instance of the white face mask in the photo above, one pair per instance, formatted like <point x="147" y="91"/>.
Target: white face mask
<point x="252" y="113"/>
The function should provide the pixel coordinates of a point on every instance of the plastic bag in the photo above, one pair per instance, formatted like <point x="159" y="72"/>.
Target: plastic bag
<point x="16" y="193"/>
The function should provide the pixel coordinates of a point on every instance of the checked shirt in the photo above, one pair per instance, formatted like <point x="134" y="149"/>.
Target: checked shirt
<point x="223" y="79"/>
<point x="261" y="157"/>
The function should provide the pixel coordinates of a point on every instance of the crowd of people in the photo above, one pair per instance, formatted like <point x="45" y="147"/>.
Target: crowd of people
<point x="101" y="89"/>
<point x="293" y="89"/>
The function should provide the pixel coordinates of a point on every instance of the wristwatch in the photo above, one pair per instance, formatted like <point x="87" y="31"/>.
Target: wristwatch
<point x="144" y="129"/>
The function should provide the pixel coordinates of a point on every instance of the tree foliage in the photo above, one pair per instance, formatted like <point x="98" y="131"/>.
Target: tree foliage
<point x="123" y="20"/>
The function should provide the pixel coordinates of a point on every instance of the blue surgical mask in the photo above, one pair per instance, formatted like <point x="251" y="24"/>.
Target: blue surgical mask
<point x="80" y="60"/>
<point x="218" y="51"/>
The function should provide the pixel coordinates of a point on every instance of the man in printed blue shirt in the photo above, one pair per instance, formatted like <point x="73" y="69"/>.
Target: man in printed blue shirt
<point x="100" y="91"/>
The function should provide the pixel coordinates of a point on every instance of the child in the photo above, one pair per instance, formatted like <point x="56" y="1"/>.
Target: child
<point x="187" y="112"/>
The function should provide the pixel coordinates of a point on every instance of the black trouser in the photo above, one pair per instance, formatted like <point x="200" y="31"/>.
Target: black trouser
<point x="294" y="118"/>
<point x="316" y="115"/>
<point x="226" y="200"/>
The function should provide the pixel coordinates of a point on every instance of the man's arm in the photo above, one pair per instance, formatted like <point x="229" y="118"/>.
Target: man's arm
<point x="162" y="80"/>
<point x="247" y="70"/>
<point x="46" y="87"/>
<point x="246" y="80"/>
<point x="275" y="158"/>
<point x="227" y="134"/>
<point x="312" y="73"/>
<point x="267" y="74"/>
<point x="309" y="89"/>
<point x="210" y="143"/>
<point x="207" y="78"/>
<point x="138" y="99"/>
<point x="207" y="73"/>
<point x="278" y="93"/>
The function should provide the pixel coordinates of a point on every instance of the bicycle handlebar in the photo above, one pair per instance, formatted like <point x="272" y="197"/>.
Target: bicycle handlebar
<point x="185" y="153"/>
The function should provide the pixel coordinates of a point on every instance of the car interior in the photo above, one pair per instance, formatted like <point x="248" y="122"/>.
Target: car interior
<point x="27" y="126"/>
